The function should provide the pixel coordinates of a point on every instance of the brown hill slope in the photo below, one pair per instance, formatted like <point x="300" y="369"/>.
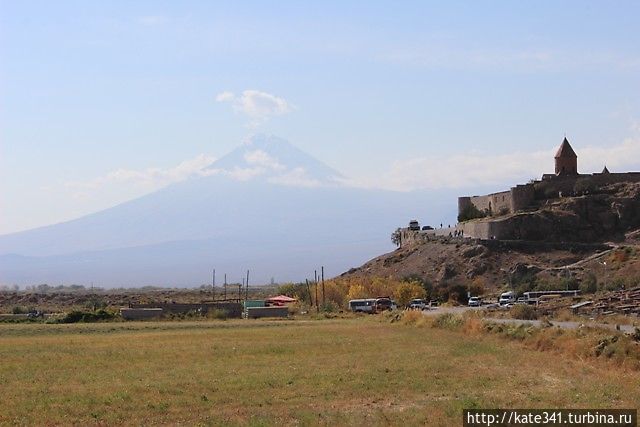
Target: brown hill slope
<point x="496" y="265"/>
<point x="559" y="244"/>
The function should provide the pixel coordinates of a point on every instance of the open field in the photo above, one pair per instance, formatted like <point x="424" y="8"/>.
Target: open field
<point x="346" y="371"/>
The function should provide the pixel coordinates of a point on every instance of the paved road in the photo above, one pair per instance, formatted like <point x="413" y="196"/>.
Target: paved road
<point x="564" y="325"/>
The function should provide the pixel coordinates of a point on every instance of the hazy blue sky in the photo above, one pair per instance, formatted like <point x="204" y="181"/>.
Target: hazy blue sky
<point x="103" y="101"/>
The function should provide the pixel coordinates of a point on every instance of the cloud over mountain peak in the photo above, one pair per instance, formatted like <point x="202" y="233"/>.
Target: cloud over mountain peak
<point x="276" y="160"/>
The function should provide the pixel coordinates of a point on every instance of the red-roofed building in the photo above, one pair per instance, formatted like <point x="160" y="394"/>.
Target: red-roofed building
<point x="280" y="300"/>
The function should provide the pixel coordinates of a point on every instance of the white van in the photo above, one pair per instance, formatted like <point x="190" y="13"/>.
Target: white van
<point x="507" y="298"/>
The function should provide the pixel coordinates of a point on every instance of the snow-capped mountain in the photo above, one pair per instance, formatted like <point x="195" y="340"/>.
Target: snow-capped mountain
<point x="266" y="206"/>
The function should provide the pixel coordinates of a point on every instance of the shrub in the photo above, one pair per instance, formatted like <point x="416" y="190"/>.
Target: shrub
<point x="86" y="316"/>
<point x="218" y="313"/>
<point x="589" y="284"/>
<point x="300" y="291"/>
<point x="568" y="283"/>
<point x="329" y="307"/>
<point x="19" y="310"/>
<point x="545" y="190"/>
<point x="470" y="212"/>
<point x="615" y="284"/>
<point x="453" y="292"/>
<point x="448" y="321"/>
<point x="95" y="302"/>
<point x="478" y="286"/>
<point x="585" y="185"/>
<point x="523" y="312"/>
<point x="406" y="291"/>
<point x="413" y="317"/>
<point x="424" y="282"/>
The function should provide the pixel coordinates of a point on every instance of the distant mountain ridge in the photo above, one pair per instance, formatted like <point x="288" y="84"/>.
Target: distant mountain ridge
<point x="266" y="205"/>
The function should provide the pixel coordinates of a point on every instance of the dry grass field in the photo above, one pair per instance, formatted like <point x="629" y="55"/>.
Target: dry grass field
<point x="328" y="372"/>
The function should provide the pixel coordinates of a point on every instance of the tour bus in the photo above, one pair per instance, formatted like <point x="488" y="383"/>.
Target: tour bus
<point x="366" y="305"/>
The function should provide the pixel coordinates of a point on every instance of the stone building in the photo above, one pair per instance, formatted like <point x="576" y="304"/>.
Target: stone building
<point x="514" y="214"/>
<point x="566" y="160"/>
<point x="523" y="196"/>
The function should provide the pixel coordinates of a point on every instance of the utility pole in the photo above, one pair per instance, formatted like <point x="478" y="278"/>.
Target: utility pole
<point x="315" y="282"/>
<point x="240" y="290"/>
<point x="309" y="292"/>
<point x="322" y="275"/>
<point x="317" y="305"/>
<point x="213" y="284"/>
<point x="246" y="295"/>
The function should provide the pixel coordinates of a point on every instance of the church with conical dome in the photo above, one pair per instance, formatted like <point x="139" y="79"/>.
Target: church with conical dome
<point x="566" y="159"/>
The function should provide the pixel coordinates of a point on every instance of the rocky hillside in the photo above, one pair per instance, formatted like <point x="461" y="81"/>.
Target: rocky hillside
<point x="596" y="215"/>
<point x="490" y="266"/>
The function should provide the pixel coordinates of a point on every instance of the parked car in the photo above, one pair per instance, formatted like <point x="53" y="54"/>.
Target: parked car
<point x="427" y="227"/>
<point x="475" y="302"/>
<point x="418" y="304"/>
<point x="384" y="303"/>
<point x="363" y="305"/>
<point x="414" y="225"/>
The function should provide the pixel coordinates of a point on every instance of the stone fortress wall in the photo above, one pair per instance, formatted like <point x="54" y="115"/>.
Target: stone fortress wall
<point x="504" y="216"/>
<point x="522" y="196"/>
<point x="502" y="203"/>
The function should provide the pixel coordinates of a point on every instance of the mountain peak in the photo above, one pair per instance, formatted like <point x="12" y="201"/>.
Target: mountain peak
<point x="276" y="160"/>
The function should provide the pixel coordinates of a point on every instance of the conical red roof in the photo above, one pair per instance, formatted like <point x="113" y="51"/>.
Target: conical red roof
<point x="565" y="150"/>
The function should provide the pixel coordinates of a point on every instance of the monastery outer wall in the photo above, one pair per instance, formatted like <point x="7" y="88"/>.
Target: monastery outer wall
<point x="522" y="196"/>
<point x="566" y="184"/>
<point x="491" y="228"/>
<point x="504" y="202"/>
<point x="412" y="237"/>
<point x="493" y="203"/>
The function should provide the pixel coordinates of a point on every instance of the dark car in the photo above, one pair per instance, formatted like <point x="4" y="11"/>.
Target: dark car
<point x="427" y="227"/>
<point x="384" y="303"/>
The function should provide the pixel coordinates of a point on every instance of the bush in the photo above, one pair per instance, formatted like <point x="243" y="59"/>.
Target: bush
<point x="545" y="190"/>
<point x="413" y="317"/>
<point x="448" y="321"/>
<point x="95" y="302"/>
<point x="218" y="313"/>
<point x="300" y="291"/>
<point x="329" y="307"/>
<point x="568" y="283"/>
<point x="424" y="282"/>
<point x="614" y="285"/>
<point x="453" y="292"/>
<point x="406" y="291"/>
<point x="589" y="284"/>
<point x="585" y="185"/>
<point x="19" y="310"/>
<point x="470" y="212"/>
<point x="523" y="312"/>
<point x="86" y="316"/>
